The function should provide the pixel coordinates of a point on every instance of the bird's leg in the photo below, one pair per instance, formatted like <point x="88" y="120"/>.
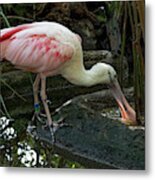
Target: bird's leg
<point x="36" y="103"/>
<point x="44" y="100"/>
<point x="52" y="126"/>
<point x="35" y="92"/>
<point x="37" y="113"/>
<point x="36" y="99"/>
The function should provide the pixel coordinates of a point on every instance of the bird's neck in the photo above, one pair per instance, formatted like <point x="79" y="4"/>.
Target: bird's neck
<point x="78" y="75"/>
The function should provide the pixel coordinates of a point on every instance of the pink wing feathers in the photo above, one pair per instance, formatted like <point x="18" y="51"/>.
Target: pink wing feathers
<point x="8" y="32"/>
<point x="5" y="35"/>
<point x="35" y="52"/>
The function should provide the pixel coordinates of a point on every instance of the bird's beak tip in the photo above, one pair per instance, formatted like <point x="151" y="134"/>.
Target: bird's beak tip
<point x="129" y="122"/>
<point x="127" y="112"/>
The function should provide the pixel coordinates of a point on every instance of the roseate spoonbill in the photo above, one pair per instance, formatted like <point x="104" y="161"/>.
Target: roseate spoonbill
<point x="48" y="49"/>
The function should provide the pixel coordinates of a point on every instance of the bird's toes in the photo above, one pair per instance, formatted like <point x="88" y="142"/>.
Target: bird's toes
<point x="54" y="126"/>
<point x="61" y="123"/>
<point x="31" y="129"/>
<point x="39" y="117"/>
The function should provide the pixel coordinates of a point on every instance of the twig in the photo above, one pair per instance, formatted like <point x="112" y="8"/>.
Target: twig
<point x="20" y="18"/>
<point x="4" y="17"/>
<point x="5" y="109"/>
<point x="17" y="94"/>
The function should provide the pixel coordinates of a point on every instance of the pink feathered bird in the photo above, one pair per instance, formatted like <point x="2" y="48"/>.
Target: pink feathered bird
<point x="49" y="49"/>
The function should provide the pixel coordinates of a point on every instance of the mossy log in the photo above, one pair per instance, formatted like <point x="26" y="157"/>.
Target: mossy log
<point x="96" y="141"/>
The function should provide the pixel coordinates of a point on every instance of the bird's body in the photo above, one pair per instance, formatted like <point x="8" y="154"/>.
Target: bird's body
<point x="39" y="47"/>
<point x="48" y="49"/>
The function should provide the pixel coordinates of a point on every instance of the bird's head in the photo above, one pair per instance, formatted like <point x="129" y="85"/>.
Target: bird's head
<point x="107" y="75"/>
<point x="104" y="73"/>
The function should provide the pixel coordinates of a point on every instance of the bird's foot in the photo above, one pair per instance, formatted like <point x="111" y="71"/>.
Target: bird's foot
<point x="40" y="117"/>
<point x="54" y="126"/>
<point x="51" y="128"/>
<point x="60" y="123"/>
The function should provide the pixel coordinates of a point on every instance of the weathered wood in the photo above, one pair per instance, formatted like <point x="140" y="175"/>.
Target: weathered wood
<point x="96" y="141"/>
